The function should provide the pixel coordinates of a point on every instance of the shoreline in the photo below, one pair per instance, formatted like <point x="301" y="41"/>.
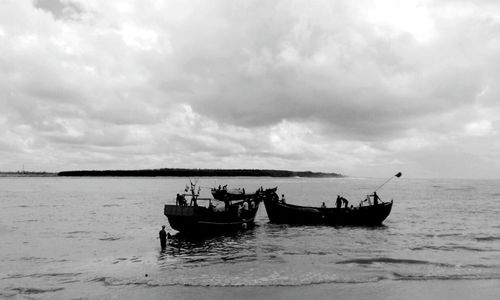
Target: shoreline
<point x="457" y="289"/>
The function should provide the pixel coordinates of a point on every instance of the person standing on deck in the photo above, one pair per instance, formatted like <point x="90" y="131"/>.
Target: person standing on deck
<point x="375" y="198"/>
<point x="163" y="237"/>
<point x="345" y="202"/>
<point x="339" y="202"/>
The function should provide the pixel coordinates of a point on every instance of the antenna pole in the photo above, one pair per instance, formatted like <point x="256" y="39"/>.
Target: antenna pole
<point x="397" y="175"/>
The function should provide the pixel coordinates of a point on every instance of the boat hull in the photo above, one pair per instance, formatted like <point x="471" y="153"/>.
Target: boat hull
<point x="282" y="213"/>
<point x="201" y="220"/>
<point x="231" y="195"/>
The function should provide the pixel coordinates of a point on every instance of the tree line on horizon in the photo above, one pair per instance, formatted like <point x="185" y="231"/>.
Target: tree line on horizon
<point x="179" y="172"/>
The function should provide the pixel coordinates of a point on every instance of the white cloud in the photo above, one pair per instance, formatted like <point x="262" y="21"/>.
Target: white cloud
<point x="479" y="128"/>
<point x="395" y="17"/>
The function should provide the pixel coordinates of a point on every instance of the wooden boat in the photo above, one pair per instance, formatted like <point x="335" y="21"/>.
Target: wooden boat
<point x="363" y="215"/>
<point x="222" y="193"/>
<point x="212" y="215"/>
<point x="284" y="213"/>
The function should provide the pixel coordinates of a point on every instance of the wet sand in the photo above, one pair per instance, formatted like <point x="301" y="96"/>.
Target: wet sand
<point x="439" y="289"/>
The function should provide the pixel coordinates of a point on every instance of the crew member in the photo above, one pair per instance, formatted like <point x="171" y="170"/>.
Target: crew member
<point x="345" y="202"/>
<point x="182" y="200"/>
<point x="339" y="202"/>
<point x="375" y="198"/>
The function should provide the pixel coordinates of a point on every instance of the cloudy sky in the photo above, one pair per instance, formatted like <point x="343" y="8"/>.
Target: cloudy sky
<point x="362" y="88"/>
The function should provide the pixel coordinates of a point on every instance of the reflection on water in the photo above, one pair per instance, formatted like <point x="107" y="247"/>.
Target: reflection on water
<point x="197" y="251"/>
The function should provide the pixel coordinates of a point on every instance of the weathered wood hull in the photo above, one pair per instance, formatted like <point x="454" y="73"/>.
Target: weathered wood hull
<point x="282" y="213"/>
<point x="201" y="220"/>
<point x="231" y="195"/>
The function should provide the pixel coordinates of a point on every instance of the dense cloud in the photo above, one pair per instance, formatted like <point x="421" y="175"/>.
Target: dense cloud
<point x="355" y="87"/>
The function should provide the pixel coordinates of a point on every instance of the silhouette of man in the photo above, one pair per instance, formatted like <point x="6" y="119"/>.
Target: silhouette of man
<point x="375" y="198"/>
<point x="339" y="202"/>
<point x="345" y="202"/>
<point x="163" y="237"/>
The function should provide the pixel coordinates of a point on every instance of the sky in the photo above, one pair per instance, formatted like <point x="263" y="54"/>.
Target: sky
<point x="362" y="88"/>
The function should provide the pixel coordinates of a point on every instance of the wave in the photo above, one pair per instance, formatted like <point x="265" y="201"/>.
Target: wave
<point x="461" y="189"/>
<point x="260" y="282"/>
<point x="448" y="234"/>
<point x="147" y="281"/>
<point x="487" y="238"/>
<point x="306" y="252"/>
<point x="416" y="262"/>
<point x="110" y="239"/>
<point x="41" y="275"/>
<point x="78" y="232"/>
<point x="450" y="248"/>
<point x="33" y="291"/>
<point x="369" y="261"/>
<point x="26" y="221"/>
<point x="470" y="249"/>
<point x="443" y="235"/>
<point x="39" y="259"/>
<point x="420" y="277"/>
<point x="32" y="258"/>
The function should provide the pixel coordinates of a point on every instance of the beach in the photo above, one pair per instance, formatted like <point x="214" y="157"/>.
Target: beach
<point x="384" y="290"/>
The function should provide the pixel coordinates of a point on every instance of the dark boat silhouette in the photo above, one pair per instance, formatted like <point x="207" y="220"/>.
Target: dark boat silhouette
<point x="227" y="211"/>
<point x="284" y="213"/>
<point x="231" y="194"/>
<point x="363" y="215"/>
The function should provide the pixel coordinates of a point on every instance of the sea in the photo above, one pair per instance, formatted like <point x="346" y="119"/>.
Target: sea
<point x="91" y="237"/>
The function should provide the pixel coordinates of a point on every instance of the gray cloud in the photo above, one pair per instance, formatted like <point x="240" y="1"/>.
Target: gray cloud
<point x="354" y="87"/>
<point x="60" y="9"/>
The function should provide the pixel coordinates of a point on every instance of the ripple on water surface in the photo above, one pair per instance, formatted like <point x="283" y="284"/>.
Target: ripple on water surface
<point x="103" y="231"/>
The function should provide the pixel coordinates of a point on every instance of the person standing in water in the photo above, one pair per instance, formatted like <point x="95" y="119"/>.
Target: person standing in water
<point x="163" y="237"/>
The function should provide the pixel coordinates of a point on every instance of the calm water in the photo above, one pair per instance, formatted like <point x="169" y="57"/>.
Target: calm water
<point x="82" y="237"/>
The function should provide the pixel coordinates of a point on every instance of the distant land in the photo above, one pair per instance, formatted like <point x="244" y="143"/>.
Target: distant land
<point x="175" y="172"/>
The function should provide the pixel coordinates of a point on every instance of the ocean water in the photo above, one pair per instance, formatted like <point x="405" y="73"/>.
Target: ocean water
<point x="87" y="237"/>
